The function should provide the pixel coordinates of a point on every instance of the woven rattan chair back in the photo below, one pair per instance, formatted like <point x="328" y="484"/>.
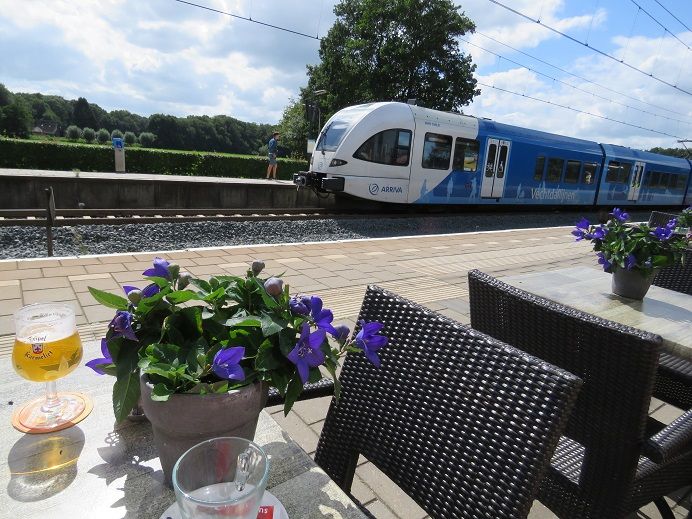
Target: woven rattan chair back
<point x="677" y="277"/>
<point x="461" y="422"/>
<point x="592" y="474"/>
<point x="660" y="219"/>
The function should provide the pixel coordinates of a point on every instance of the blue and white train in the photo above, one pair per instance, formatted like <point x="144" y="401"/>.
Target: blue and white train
<point x="406" y="154"/>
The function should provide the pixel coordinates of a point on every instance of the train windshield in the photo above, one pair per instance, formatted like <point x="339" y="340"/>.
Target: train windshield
<point x="332" y="135"/>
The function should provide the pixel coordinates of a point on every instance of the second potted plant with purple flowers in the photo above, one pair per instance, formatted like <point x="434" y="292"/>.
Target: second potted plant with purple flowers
<point x="203" y="353"/>
<point x="631" y="252"/>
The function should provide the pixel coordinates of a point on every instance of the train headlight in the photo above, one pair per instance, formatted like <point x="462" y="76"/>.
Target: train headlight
<point x="337" y="162"/>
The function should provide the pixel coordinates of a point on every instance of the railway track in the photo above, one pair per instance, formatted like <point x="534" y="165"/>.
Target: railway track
<point x="65" y="217"/>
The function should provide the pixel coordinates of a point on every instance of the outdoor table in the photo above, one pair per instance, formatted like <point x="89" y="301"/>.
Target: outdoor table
<point x="103" y="470"/>
<point x="664" y="312"/>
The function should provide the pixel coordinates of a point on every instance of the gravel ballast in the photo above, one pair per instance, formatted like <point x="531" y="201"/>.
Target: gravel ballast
<point x="30" y="242"/>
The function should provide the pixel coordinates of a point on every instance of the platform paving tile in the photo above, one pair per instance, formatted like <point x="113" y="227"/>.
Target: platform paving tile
<point x="11" y="289"/>
<point x="23" y="273"/>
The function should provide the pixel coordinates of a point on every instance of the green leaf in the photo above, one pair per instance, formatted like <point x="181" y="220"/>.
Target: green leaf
<point x="244" y="321"/>
<point x="272" y="324"/>
<point x="215" y="295"/>
<point x="202" y="285"/>
<point x="295" y="388"/>
<point x="161" y="282"/>
<point x="109" y="300"/>
<point x="180" y="296"/>
<point x="161" y="392"/>
<point x="267" y="357"/>
<point x="268" y="300"/>
<point x="125" y="395"/>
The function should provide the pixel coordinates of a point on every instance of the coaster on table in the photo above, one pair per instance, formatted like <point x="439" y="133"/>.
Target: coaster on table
<point x="268" y="500"/>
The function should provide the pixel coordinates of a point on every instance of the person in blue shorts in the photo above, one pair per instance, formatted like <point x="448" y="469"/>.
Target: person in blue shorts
<point x="272" y="149"/>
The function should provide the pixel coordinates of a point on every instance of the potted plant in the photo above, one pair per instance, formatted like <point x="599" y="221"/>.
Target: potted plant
<point x="632" y="253"/>
<point x="203" y="353"/>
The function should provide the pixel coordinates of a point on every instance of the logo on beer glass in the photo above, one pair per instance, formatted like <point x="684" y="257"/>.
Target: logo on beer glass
<point x="37" y="348"/>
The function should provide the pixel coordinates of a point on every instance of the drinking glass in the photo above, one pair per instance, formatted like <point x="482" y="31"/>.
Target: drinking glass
<point x="221" y="477"/>
<point x="47" y="347"/>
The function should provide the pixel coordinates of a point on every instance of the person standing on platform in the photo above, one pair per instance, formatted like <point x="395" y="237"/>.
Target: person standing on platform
<point x="272" y="149"/>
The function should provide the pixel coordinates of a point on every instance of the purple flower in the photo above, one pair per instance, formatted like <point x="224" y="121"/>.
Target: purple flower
<point x="672" y="223"/>
<point x="96" y="364"/>
<point x="630" y="262"/>
<point x="307" y="352"/>
<point x="368" y="340"/>
<point x="620" y="214"/>
<point x="226" y="363"/>
<point x="602" y="260"/>
<point x="598" y="233"/>
<point x="662" y="233"/>
<point x="160" y="269"/>
<point x="323" y="317"/>
<point x="298" y="307"/>
<point x="122" y="325"/>
<point x="341" y="332"/>
<point x="582" y="227"/>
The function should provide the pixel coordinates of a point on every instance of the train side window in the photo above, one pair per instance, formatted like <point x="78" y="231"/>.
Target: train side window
<point x="572" y="171"/>
<point x="664" y="180"/>
<point x="618" y="172"/>
<point x="390" y="147"/>
<point x="682" y="181"/>
<point x="490" y="162"/>
<point x="654" y="179"/>
<point x="465" y="155"/>
<point x="538" y="170"/>
<point x="589" y="174"/>
<point x="555" y="169"/>
<point x="672" y="181"/>
<point x="437" y="150"/>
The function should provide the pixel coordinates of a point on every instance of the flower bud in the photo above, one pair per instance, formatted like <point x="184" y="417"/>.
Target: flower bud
<point x="214" y="282"/>
<point x="173" y="269"/>
<point x="135" y="296"/>
<point x="184" y="280"/>
<point x="274" y="286"/>
<point x="257" y="267"/>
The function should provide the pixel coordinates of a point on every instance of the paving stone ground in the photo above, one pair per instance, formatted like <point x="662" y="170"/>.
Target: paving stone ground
<point x="428" y="269"/>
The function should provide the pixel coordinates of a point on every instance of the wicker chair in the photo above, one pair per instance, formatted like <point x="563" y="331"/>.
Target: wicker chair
<point x="674" y="379"/>
<point x="597" y="471"/>
<point x="463" y="423"/>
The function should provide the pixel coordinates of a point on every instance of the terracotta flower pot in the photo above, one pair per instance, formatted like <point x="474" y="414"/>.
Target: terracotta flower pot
<point x="631" y="283"/>
<point x="185" y="420"/>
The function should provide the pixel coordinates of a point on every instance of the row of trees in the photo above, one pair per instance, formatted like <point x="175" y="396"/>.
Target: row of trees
<point x="20" y="113"/>
<point x="74" y="133"/>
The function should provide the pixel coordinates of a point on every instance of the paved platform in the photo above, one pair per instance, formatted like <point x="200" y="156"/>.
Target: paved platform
<point x="428" y="269"/>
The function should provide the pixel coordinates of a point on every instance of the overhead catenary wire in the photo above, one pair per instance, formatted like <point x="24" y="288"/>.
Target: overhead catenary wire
<point x="659" y="23"/>
<point x="249" y="19"/>
<point x="575" y="87"/>
<point x="582" y="78"/>
<point x="601" y="52"/>
<point x="578" y="111"/>
<point x="678" y="19"/>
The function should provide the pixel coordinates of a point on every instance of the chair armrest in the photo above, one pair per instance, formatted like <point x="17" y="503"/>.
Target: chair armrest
<point x="324" y="387"/>
<point x="673" y="440"/>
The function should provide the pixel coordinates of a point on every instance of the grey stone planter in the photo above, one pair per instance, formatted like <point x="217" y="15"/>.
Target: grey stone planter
<point x="631" y="283"/>
<point x="185" y="420"/>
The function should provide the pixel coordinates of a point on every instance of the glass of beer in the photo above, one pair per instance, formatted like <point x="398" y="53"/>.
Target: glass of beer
<point x="47" y="347"/>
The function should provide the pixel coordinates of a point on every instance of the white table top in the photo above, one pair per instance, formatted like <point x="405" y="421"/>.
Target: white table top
<point x="664" y="312"/>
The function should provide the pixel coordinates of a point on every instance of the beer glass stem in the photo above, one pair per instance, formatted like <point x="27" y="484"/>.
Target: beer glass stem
<point x="52" y="400"/>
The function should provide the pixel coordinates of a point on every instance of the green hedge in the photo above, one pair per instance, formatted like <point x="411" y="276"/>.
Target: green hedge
<point x="63" y="156"/>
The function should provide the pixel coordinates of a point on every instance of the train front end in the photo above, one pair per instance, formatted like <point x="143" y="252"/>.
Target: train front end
<point x="340" y="162"/>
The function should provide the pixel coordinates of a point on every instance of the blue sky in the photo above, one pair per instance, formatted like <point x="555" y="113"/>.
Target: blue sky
<point x="161" y="56"/>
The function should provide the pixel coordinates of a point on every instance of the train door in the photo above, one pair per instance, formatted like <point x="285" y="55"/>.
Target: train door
<point x="496" y="161"/>
<point x="636" y="181"/>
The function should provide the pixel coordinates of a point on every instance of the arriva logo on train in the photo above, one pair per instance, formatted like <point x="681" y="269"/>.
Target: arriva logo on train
<point x="375" y="189"/>
<point x="552" y="194"/>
